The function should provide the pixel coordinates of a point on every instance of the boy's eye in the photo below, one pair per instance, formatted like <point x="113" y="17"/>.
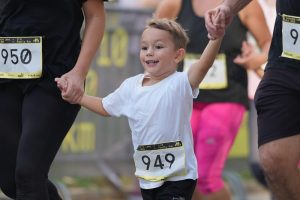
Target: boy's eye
<point x="144" y="48"/>
<point x="158" y="46"/>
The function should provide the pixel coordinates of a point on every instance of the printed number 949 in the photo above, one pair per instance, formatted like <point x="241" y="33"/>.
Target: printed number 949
<point x="159" y="162"/>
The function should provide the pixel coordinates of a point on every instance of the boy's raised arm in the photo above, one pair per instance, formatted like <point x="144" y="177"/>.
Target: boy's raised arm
<point x="199" y="69"/>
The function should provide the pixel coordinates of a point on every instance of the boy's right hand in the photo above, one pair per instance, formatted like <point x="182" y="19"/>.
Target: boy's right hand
<point x="62" y="84"/>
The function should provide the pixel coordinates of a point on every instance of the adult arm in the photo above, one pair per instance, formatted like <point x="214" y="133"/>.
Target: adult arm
<point x="93" y="32"/>
<point x="150" y="3"/>
<point x="253" y="18"/>
<point x="168" y="9"/>
<point x="236" y="5"/>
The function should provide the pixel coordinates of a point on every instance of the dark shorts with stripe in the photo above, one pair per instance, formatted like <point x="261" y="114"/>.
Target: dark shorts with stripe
<point x="171" y="190"/>
<point x="277" y="101"/>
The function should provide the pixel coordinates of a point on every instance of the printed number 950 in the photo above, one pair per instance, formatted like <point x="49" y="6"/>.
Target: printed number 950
<point x="24" y="56"/>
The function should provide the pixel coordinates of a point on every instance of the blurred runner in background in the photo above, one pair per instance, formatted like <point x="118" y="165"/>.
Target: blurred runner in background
<point x="254" y="78"/>
<point x="150" y="4"/>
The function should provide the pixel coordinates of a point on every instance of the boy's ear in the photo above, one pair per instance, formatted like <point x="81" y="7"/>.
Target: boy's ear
<point x="179" y="55"/>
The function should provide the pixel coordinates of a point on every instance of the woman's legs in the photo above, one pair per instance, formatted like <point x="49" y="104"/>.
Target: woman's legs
<point x="46" y="119"/>
<point x="10" y="123"/>
<point x="33" y="124"/>
<point x="214" y="132"/>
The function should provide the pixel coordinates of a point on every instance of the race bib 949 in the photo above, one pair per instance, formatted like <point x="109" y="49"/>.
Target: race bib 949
<point x="21" y="57"/>
<point x="290" y="37"/>
<point x="156" y="162"/>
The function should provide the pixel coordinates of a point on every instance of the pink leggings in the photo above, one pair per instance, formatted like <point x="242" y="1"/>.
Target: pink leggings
<point x="215" y="126"/>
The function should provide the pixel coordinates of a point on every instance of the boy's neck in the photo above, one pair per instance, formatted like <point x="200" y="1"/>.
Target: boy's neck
<point x="149" y="80"/>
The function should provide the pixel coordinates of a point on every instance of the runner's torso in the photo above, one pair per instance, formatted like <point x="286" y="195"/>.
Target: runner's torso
<point x="58" y="22"/>
<point x="291" y="33"/>
<point x="235" y="88"/>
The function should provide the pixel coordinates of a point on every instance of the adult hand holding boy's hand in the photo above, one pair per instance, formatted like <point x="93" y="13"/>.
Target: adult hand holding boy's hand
<point x="216" y="21"/>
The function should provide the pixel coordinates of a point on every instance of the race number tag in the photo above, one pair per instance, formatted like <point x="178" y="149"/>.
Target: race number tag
<point x="216" y="77"/>
<point x="159" y="161"/>
<point x="290" y="37"/>
<point x="21" y="57"/>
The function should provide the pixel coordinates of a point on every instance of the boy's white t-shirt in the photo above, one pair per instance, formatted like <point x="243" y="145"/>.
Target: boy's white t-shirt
<point x="159" y="119"/>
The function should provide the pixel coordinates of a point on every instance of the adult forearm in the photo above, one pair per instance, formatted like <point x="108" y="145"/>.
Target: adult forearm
<point x="92" y="37"/>
<point x="94" y="14"/>
<point x="236" y="5"/>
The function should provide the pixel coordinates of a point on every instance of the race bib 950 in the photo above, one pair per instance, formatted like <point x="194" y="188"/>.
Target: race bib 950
<point x="21" y="57"/>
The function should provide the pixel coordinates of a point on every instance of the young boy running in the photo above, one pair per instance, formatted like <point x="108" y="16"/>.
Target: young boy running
<point x="158" y="106"/>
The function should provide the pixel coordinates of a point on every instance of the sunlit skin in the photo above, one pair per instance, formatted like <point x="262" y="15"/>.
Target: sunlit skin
<point x="158" y="55"/>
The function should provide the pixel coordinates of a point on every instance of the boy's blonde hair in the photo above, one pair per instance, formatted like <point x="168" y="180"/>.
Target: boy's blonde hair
<point x="179" y="35"/>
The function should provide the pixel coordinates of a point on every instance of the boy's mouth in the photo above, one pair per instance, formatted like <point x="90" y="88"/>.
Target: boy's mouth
<point x="152" y="61"/>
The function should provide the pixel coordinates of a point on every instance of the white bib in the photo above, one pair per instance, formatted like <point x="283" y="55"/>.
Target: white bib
<point x="21" y="57"/>
<point x="159" y="161"/>
<point x="216" y="77"/>
<point x="291" y="37"/>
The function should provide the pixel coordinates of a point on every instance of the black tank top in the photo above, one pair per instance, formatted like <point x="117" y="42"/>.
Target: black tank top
<point x="287" y="7"/>
<point x="57" y="21"/>
<point x="231" y="47"/>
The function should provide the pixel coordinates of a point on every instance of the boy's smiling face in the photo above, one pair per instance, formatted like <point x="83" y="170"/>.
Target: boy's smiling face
<point x="158" y="54"/>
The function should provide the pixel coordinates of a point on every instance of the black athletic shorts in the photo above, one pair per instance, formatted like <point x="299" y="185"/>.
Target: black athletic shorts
<point x="171" y="190"/>
<point x="277" y="101"/>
